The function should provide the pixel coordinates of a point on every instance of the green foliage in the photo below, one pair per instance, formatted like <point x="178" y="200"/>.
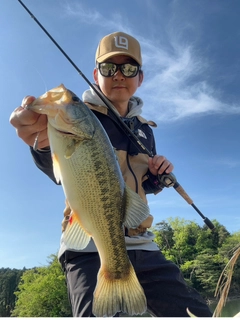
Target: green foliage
<point x="42" y="293"/>
<point x="200" y="253"/>
<point x="9" y="279"/>
<point x="226" y="252"/>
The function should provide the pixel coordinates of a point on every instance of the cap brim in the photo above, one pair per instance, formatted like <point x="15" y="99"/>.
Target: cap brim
<point x="116" y="53"/>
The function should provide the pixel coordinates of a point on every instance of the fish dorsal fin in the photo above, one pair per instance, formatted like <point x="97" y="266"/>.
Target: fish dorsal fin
<point x="136" y="210"/>
<point x="75" y="236"/>
<point x="56" y="167"/>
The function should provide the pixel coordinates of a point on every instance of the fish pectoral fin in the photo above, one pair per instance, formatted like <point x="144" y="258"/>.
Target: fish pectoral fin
<point x="74" y="143"/>
<point x="56" y="167"/>
<point x="75" y="236"/>
<point x="136" y="210"/>
<point x="71" y="148"/>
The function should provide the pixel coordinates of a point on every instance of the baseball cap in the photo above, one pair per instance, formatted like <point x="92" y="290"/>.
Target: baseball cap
<point x="118" y="43"/>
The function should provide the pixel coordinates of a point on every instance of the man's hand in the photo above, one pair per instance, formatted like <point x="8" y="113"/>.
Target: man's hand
<point x="29" y="125"/>
<point x="159" y="164"/>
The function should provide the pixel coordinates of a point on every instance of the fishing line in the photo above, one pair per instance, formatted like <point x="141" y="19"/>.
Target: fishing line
<point x="167" y="179"/>
<point x="42" y="79"/>
<point x="35" y="144"/>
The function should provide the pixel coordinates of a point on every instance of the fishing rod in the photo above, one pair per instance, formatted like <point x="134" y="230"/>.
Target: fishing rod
<point x="166" y="179"/>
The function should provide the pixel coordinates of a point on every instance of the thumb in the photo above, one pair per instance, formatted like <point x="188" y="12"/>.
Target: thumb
<point x="27" y="100"/>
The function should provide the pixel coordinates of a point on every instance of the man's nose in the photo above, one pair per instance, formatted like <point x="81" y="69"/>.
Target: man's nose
<point x="118" y="74"/>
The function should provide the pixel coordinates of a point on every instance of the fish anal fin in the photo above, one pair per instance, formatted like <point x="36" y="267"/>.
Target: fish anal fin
<point x="75" y="236"/>
<point x="136" y="210"/>
<point x="115" y="295"/>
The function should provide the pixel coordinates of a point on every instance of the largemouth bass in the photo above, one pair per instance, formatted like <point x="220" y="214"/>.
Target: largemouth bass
<point x="101" y="204"/>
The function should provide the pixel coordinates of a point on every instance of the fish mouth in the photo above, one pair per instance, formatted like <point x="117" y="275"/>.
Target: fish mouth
<point x="64" y="132"/>
<point x="60" y="130"/>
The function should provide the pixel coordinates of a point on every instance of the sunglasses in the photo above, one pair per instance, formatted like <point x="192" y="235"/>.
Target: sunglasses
<point x="127" y="69"/>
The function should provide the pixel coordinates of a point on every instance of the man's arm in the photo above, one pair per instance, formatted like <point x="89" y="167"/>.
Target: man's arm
<point x="43" y="160"/>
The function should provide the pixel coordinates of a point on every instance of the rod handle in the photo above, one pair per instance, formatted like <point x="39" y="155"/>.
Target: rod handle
<point x="182" y="193"/>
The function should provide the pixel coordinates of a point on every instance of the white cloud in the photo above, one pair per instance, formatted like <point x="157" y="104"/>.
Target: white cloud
<point x="175" y="85"/>
<point x="88" y="16"/>
<point x="91" y="16"/>
<point x="229" y="163"/>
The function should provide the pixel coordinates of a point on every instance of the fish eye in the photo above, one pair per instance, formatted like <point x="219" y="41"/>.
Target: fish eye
<point x="75" y="99"/>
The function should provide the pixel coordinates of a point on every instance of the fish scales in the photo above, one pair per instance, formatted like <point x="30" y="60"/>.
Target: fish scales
<point x="101" y="203"/>
<point x="105" y="200"/>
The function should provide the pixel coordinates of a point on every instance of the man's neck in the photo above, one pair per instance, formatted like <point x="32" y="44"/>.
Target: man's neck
<point x="122" y="108"/>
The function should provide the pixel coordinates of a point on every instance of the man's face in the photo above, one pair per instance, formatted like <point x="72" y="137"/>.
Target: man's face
<point x="118" y="88"/>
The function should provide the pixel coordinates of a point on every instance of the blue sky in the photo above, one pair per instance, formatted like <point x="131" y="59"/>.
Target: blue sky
<point x="191" y="61"/>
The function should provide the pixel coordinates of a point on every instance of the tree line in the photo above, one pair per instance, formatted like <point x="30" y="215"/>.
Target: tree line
<point x="200" y="253"/>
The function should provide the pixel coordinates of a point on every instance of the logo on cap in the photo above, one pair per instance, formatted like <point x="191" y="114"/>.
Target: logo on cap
<point x="121" y="42"/>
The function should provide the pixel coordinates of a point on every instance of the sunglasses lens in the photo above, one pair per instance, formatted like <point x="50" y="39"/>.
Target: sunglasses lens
<point x="109" y="69"/>
<point x="129" y="70"/>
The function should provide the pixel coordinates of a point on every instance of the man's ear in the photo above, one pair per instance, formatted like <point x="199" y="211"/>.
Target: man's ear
<point x="95" y="75"/>
<point x="141" y="77"/>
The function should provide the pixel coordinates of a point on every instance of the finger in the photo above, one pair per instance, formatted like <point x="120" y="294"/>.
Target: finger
<point x="157" y="161"/>
<point x="166" y="166"/>
<point x="150" y="162"/>
<point x="41" y="131"/>
<point x="27" y="100"/>
<point x="41" y="123"/>
<point x="42" y="139"/>
<point x="28" y="133"/>
<point x="161" y="164"/>
<point x="20" y="116"/>
<point x="30" y="138"/>
<point x="169" y="168"/>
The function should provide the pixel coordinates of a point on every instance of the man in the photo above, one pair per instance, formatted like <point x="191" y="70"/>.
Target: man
<point x="118" y="75"/>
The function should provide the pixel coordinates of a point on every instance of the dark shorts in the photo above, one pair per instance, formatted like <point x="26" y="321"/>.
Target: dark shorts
<point x="165" y="289"/>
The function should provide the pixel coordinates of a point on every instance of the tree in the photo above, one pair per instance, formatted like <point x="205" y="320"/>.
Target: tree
<point x="9" y="279"/>
<point x="200" y="253"/>
<point x="43" y="293"/>
<point x="177" y="239"/>
<point x="226" y="251"/>
<point x="208" y="267"/>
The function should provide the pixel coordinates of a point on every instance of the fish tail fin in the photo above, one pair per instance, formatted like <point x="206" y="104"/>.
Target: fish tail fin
<point x="118" y="295"/>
